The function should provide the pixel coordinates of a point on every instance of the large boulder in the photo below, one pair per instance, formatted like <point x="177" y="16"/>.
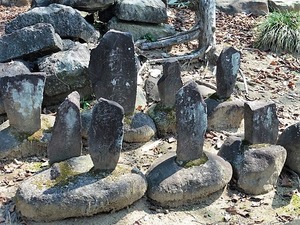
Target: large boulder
<point x="71" y="189"/>
<point x="67" y="22"/>
<point x="255" y="7"/>
<point x="284" y="5"/>
<point x="148" y="11"/>
<point x="66" y="71"/>
<point x="30" y="42"/>
<point x="142" y="30"/>
<point x="290" y="140"/>
<point x="84" y="5"/>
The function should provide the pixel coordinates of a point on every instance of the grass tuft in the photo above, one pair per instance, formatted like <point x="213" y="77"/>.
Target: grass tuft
<point x="279" y="32"/>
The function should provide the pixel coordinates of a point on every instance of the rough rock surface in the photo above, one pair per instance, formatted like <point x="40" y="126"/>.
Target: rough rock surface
<point x="27" y="42"/>
<point x="290" y="140"/>
<point x="148" y="11"/>
<point x="141" y="30"/>
<point x="171" y="185"/>
<point x="67" y="22"/>
<point x="255" y="7"/>
<point x="14" y="145"/>
<point x="256" y="167"/>
<point x="66" y="71"/>
<point x="284" y="5"/>
<point x="71" y="189"/>
<point x="232" y="110"/>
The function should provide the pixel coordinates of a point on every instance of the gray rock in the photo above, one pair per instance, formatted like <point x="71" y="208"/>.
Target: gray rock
<point x="232" y="110"/>
<point x="142" y="129"/>
<point x="164" y="119"/>
<point x="66" y="141"/>
<point x="255" y="7"/>
<point x="169" y="83"/>
<point x="113" y="69"/>
<point x="256" y="167"/>
<point x="261" y="122"/>
<point x="38" y="39"/>
<point x="151" y="88"/>
<point x="170" y="185"/>
<point x="148" y="11"/>
<point x="228" y="65"/>
<point x="86" y="118"/>
<point x="78" y="191"/>
<point x="142" y="30"/>
<point x="66" y="71"/>
<point x="286" y="5"/>
<point x="40" y="3"/>
<point x="17" y="145"/>
<point x="106" y="134"/>
<point x="141" y="101"/>
<point x="67" y="22"/>
<point x="290" y="140"/>
<point x="22" y="98"/>
<point x="191" y="122"/>
<point x="87" y="5"/>
<point x="12" y="69"/>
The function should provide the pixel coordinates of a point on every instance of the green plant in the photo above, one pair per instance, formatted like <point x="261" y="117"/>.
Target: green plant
<point x="149" y="37"/>
<point x="279" y="32"/>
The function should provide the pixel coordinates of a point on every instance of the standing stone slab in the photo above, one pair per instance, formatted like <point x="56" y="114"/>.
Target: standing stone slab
<point x="27" y="42"/>
<point x="191" y="122"/>
<point x="113" y="69"/>
<point x="169" y="83"/>
<point x="106" y="134"/>
<point x="22" y="98"/>
<point x="261" y="122"/>
<point x="228" y="65"/>
<point x="66" y="141"/>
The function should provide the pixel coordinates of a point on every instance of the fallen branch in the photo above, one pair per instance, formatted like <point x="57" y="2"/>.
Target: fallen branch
<point x="206" y="84"/>
<point x="197" y="54"/>
<point x="171" y="40"/>
<point x="245" y="81"/>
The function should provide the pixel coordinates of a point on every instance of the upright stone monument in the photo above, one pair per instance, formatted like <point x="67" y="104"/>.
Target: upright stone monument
<point x="228" y="65"/>
<point x="66" y="140"/>
<point x="191" y="122"/>
<point x="113" y="69"/>
<point x="106" y="134"/>
<point x="22" y="98"/>
<point x="169" y="83"/>
<point x="261" y="122"/>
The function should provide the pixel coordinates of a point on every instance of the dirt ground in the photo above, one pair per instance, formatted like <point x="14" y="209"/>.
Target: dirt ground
<point x="268" y="76"/>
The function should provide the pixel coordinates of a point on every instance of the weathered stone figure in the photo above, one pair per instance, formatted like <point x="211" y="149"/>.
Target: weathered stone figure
<point x="106" y="134"/>
<point x="66" y="140"/>
<point x="191" y="122"/>
<point x="22" y="98"/>
<point x="113" y="69"/>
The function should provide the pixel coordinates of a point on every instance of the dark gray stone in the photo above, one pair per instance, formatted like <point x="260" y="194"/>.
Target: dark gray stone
<point x="76" y="191"/>
<point x="170" y="185"/>
<point x="12" y="69"/>
<point x="86" y="118"/>
<point x="140" y="30"/>
<point x="290" y="140"/>
<point x="261" y="122"/>
<point x="256" y="167"/>
<point x="87" y="5"/>
<point x="169" y="83"/>
<point x="106" y="134"/>
<point x="66" y="71"/>
<point x="148" y="11"/>
<point x="228" y="66"/>
<point x="66" y="141"/>
<point x="113" y="69"/>
<point x="22" y="98"/>
<point x="33" y="41"/>
<point x="151" y="89"/>
<point x="67" y="22"/>
<point x="191" y="122"/>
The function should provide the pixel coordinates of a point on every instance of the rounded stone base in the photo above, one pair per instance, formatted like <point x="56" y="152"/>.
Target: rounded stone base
<point x="170" y="185"/>
<point x="71" y="189"/>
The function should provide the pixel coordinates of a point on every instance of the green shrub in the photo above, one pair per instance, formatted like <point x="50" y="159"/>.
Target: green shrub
<point x="279" y="32"/>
